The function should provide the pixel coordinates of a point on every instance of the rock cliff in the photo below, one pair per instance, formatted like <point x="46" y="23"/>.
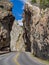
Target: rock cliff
<point x="16" y="43"/>
<point x="36" y="30"/>
<point x="10" y="31"/>
<point x="6" y="22"/>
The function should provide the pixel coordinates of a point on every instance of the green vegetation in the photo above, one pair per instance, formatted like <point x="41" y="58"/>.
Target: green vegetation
<point x="42" y="3"/>
<point x="33" y="1"/>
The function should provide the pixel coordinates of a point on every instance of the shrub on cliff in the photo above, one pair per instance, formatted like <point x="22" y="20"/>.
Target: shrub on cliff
<point x="33" y="1"/>
<point x="42" y="3"/>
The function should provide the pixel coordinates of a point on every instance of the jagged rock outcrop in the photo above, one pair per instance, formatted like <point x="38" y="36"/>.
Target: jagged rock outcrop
<point x="36" y="30"/>
<point x="6" y="22"/>
<point x="17" y="43"/>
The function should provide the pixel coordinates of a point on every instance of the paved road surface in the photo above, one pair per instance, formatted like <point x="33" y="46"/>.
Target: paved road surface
<point x="15" y="58"/>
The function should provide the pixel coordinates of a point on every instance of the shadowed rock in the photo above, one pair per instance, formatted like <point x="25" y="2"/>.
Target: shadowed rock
<point x="6" y="22"/>
<point x="36" y="30"/>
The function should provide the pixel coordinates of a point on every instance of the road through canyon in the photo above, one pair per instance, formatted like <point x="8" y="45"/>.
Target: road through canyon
<point x="18" y="58"/>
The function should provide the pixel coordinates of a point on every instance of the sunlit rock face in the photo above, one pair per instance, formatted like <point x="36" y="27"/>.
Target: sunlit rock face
<point x="16" y="43"/>
<point x="6" y="22"/>
<point x="36" y="30"/>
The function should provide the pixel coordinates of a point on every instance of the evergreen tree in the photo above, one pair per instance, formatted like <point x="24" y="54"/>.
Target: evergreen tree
<point x="42" y="3"/>
<point x="33" y="1"/>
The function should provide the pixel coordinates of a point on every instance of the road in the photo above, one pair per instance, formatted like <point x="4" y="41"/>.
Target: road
<point x="16" y="58"/>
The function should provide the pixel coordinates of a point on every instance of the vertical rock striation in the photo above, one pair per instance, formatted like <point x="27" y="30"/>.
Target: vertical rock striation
<point x="36" y="30"/>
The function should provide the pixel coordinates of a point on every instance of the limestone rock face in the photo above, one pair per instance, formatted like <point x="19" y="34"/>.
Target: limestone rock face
<point x="17" y="43"/>
<point x="36" y="30"/>
<point x="6" y="22"/>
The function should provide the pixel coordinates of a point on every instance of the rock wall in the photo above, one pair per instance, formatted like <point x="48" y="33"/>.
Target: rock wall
<point x="6" y="22"/>
<point x="11" y="34"/>
<point x="36" y="30"/>
<point x="16" y="43"/>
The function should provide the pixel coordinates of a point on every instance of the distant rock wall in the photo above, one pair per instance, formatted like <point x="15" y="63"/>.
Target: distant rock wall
<point x="36" y="30"/>
<point x="16" y="43"/>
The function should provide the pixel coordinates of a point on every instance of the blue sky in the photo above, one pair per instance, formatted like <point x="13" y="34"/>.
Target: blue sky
<point x="17" y="8"/>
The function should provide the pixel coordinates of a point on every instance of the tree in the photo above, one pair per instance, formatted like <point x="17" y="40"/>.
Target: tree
<point x="33" y="1"/>
<point x="42" y="3"/>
